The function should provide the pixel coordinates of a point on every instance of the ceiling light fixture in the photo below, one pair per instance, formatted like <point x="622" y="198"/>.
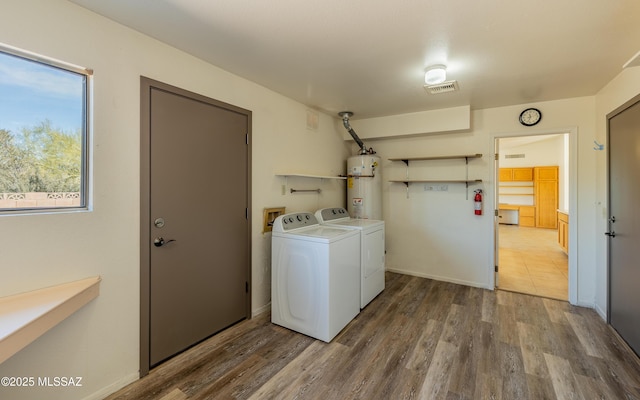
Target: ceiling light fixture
<point x="435" y="74"/>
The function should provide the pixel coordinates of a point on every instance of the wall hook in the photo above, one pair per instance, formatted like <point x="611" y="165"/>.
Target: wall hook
<point x="598" y="146"/>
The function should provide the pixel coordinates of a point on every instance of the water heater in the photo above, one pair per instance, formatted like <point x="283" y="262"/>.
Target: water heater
<point x="364" y="187"/>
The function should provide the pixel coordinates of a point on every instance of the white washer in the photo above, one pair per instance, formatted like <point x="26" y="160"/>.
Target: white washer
<point x="315" y="276"/>
<point x="371" y="249"/>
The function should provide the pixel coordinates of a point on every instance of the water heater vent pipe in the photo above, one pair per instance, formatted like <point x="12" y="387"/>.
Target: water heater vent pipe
<point x="345" y="121"/>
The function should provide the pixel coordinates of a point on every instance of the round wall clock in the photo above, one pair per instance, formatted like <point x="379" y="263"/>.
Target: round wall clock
<point x="530" y="116"/>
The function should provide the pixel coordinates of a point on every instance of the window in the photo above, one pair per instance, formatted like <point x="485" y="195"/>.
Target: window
<point x="44" y="106"/>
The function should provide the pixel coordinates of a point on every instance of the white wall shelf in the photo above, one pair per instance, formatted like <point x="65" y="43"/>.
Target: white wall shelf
<point x="465" y="157"/>
<point x="408" y="181"/>
<point x="311" y="176"/>
<point x="26" y="316"/>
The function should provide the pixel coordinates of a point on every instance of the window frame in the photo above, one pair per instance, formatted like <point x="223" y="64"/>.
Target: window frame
<point x="87" y="115"/>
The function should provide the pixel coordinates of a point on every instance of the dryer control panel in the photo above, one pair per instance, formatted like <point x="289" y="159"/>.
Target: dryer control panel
<point x="292" y="221"/>
<point x="332" y="214"/>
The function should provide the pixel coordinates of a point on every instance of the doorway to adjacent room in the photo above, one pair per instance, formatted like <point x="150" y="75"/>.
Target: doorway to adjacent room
<point x="532" y="203"/>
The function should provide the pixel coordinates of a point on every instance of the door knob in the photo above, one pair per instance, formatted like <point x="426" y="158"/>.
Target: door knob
<point x="612" y="234"/>
<point x="159" y="241"/>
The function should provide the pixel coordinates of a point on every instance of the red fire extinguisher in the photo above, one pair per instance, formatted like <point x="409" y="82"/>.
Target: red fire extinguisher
<point x="477" y="202"/>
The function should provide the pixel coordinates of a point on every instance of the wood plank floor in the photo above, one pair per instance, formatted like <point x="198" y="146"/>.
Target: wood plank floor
<point x="420" y="339"/>
<point x="532" y="262"/>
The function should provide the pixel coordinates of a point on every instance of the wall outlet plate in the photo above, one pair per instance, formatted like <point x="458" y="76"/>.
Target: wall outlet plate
<point x="436" y="188"/>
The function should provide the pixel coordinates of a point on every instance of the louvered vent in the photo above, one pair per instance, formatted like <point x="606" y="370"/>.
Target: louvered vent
<point x="514" y="156"/>
<point x="448" y="86"/>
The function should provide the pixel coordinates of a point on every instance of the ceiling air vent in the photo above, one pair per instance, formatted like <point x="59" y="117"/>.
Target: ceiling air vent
<point x="514" y="156"/>
<point x="448" y="86"/>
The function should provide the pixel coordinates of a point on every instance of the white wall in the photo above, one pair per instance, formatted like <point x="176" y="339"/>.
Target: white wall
<point x="436" y="234"/>
<point x="620" y="90"/>
<point x="100" y="342"/>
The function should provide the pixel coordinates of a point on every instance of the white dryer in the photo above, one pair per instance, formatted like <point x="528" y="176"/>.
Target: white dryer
<point x="315" y="276"/>
<point x="371" y="249"/>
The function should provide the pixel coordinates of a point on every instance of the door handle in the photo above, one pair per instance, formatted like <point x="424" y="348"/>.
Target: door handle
<point x="611" y="234"/>
<point x="159" y="241"/>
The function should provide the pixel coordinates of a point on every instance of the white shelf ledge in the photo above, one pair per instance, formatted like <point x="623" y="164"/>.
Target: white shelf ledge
<point x="453" y="157"/>
<point x="408" y="181"/>
<point x="312" y="176"/>
<point x="26" y="316"/>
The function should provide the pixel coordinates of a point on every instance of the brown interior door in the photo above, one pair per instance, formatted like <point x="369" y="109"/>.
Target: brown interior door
<point x="199" y="251"/>
<point x="624" y="224"/>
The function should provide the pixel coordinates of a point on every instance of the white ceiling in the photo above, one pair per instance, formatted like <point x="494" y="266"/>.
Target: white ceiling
<point x="369" y="56"/>
<point x="511" y="143"/>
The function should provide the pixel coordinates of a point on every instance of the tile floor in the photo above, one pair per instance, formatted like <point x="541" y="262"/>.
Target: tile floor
<point x="531" y="261"/>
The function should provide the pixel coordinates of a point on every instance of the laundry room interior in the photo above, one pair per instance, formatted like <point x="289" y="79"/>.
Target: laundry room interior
<point x="433" y="162"/>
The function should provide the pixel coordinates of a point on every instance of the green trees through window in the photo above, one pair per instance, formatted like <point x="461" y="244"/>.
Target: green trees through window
<point x="43" y="132"/>
<point x="40" y="159"/>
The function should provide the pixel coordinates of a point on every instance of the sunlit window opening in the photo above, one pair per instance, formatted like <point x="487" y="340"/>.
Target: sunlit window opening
<point x="43" y="133"/>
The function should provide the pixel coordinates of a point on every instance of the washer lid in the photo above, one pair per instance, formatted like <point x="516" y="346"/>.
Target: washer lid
<point x="356" y="223"/>
<point x="318" y="233"/>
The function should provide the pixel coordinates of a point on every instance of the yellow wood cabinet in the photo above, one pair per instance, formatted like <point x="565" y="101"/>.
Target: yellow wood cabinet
<point x="523" y="174"/>
<point x="563" y="231"/>
<point x="505" y="174"/>
<point x="546" y="173"/>
<point x="546" y="196"/>
<point x="527" y="216"/>
<point x="516" y="174"/>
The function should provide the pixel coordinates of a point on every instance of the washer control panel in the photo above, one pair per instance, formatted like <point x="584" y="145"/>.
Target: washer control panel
<point x="291" y="221"/>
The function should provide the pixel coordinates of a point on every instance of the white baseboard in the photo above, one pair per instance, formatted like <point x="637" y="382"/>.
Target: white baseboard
<point x="266" y="307"/>
<point x="602" y="313"/>
<point x="114" y="387"/>
<point x="439" y="278"/>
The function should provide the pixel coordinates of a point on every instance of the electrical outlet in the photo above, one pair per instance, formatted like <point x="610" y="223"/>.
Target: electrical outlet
<point x="436" y="188"/>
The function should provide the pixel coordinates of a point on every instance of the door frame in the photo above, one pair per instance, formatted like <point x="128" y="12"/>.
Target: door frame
<point x="634" y="100"/>
<point x="145" y="204"/>
<point x="573" y="202"/>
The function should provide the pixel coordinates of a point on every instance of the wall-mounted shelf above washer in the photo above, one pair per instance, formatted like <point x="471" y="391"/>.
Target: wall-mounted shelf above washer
<point x="465" y="157"/>
<point x="312" y="176"/>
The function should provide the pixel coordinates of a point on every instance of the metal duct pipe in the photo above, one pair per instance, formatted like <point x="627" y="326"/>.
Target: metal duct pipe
<point x="345" y="121"/>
